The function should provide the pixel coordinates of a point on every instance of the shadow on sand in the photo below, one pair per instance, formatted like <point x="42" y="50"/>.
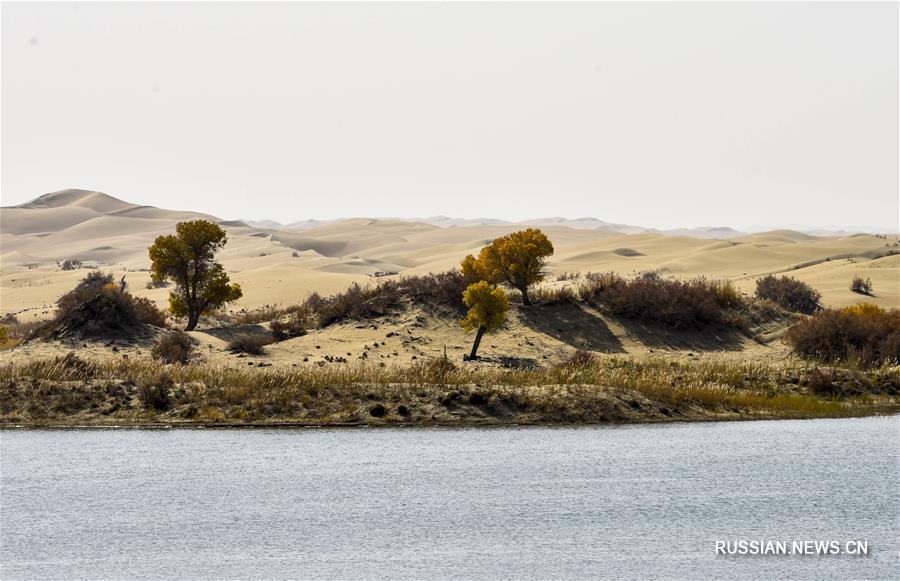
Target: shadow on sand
<point x="228" y="334"/>
<point x="574" y="326"/>
<point x="708" y="338"/>
<point x="583" y="328"/>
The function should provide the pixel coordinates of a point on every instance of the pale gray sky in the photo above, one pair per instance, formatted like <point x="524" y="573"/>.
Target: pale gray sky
<point x="653" y="114"/>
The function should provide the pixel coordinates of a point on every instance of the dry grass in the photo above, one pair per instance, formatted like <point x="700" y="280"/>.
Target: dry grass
<point x="174" y="347"/>
<point x="607" y="389"/>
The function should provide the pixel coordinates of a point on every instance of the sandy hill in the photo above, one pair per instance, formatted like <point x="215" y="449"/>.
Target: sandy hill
<point x="96" y="201"/>
<point x="534" y="337"/>
<point x="281" y="265"/>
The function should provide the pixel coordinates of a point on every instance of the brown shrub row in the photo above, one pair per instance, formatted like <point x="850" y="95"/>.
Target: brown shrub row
<point x="681" y="304"/>
<point x="863" y="333"/>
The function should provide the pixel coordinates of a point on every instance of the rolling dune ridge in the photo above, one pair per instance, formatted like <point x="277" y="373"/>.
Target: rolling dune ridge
<point x="283" y="265"/>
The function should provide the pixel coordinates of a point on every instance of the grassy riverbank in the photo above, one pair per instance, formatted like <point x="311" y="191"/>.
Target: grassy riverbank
<point x="74" y="391"/>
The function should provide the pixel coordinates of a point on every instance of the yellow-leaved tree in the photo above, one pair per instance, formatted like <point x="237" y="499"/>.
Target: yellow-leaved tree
<point x="517" y="259"/>
<point x="188" y="260"/>
<point x="487" y="311"/>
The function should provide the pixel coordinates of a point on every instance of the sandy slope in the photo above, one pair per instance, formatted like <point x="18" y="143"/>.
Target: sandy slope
<point x="283" y="266"/>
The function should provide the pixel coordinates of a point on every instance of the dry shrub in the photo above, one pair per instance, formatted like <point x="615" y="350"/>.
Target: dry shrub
<point x="88" y="288"/>
<point x="553" y="296"/>
<point x="356" y="302"/>
<point x="434" y="370"/>
<point x="146" y="311"/>
<point x="251" y="344"/>
<point x="154" y="395"/>
<point x="789" y="293"/>
<point x="173" y="348"/>
<point x="97" y="306"/>
<point x="727" y="296"/>
<point x="361" y="302"/>
<point x="865" y="333"/>
<point x="821" y="382"/>
<point x="19" y="331"/>
<point x="70" y="264"/>
<point x="861" y="286"/>
<point x="690" y="303"/>
<point x="444" y="288"/>
<point x="596" y="283"/>
<point x="258" y="315"/>
<point x="581" y="358"/>
<point x="283" y="330"/>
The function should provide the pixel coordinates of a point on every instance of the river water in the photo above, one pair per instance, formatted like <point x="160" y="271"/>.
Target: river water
<point x="596" y="502"/>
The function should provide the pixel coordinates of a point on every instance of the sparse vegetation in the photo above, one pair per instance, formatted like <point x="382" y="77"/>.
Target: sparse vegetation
<point x="581" y="358"/>
<point x="861" y="286"/>
<point x="174" y="347"/>
<point x="257" y="315"/>
<point x="441" y="290"/>
<point x="354" y="303"/>
<point x="251" y="344"/>
<point x="727" y="296"/>
<point x="154" y="394"/>
<point x="70" y="264"/>
<point x="865" y="334"/>
<point x="789" y="293"/>
<point x="283" y="330"/>
<point x="17" y="330"/>
<point x="146" y="311"/>
<point x="517" y="259"/>
<point x="554" y="296"/>
<point x="188" y="259"/>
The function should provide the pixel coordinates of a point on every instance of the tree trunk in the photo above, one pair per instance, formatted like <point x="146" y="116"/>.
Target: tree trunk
<point x="525" y="300"/>
<point x="193" y="319"/>
<point x="478" y="335"/>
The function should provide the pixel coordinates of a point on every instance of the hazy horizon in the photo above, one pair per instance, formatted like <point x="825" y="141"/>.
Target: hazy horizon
<point x="663" y="116"/>
<point x="748" y="229"/>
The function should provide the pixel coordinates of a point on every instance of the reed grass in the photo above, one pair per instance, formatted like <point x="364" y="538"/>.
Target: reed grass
<point x="603" y="389"/>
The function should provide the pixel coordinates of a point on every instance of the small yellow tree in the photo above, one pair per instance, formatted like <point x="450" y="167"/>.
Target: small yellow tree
<point x="487" y="311"/>
<point x="188" y="259"/>
<point x="517" y="259"/>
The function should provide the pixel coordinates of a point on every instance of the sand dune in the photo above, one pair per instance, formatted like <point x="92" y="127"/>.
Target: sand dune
<point x="21" y="221"/>
<point x="283" y="265"/>
<point x="97" y="201"/>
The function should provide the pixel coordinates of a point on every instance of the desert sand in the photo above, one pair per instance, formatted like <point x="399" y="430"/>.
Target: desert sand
<point x="282" y="266"/>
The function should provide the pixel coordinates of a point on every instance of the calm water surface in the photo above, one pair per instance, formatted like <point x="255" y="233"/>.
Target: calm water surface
<point x="607" y="502"/>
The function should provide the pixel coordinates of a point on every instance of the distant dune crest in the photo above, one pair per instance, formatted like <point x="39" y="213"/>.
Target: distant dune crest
<point x="574" y="223"/>
<point x="281" y="264"/>
<point x="105" y="204"/>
